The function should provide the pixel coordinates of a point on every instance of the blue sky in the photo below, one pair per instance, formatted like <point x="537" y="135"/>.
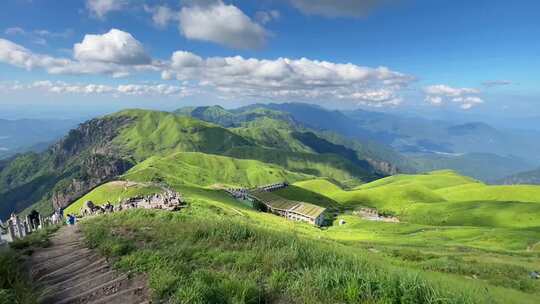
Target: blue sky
<point x="424" y="57"/>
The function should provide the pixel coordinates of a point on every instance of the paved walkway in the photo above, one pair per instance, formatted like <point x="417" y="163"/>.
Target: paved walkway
<point x="68" y="272"/>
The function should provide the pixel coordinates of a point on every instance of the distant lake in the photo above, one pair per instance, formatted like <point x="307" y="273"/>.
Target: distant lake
<point x="4" y="137"/>
<point x="4" y="149"/>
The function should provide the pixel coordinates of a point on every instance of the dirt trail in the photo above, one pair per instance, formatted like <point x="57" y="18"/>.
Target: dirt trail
<point x="68" y="272"/>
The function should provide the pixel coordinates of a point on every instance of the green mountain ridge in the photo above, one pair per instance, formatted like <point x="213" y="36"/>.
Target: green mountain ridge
<point x="104" y="148"/>
<point x="278" y="129"/>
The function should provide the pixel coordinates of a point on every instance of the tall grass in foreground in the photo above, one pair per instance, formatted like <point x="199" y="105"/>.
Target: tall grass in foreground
<point x="205" y="258"/>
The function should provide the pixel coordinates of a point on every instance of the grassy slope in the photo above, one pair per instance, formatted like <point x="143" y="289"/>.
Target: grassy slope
<point x="441" y="198"/>
<point x="112" y="192"/>
<point x="331" y="166"/>
<point x="273" y="133"/>
<point x="219" y="247"/>
<point x="201" y="169"/>
<point x="159" y="133"/>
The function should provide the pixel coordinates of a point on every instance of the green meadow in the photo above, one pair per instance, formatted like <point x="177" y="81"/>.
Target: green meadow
<point x="476" y="251"/>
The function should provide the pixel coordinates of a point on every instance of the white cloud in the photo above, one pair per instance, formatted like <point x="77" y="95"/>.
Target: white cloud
<point x="19" y="56"/>
<point x="118" y="54"/>
<point x="263" y="17"/>
<point x="496" y="83"/>
<point x="115" y="53"/>
<point x="162" y="15"/>
<point x="46" y="33"/>
<point x="221" y="23"/>
<point x="115" y="46"/>
<point x="14" y="31"/>
<point x="37" y="36"/>
<point x="60" y="87"/>
<point x="285" y="78"/>
<point x="441" y="94"/>
<point x="337" y="8"/>
<point x="100" y="8"/>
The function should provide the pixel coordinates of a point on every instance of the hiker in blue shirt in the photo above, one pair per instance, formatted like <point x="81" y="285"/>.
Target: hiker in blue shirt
<point x="71" y="219"/>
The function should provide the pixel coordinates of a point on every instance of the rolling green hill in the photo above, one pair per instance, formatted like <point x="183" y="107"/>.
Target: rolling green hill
<point x="486" y="261"/>
<point x="199" y="169"/>
<point x="440" y="198"/>
<point x="278" y="129"/>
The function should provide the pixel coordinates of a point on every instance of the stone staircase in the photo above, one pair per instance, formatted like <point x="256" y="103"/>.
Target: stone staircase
<point x="68" y="272"/>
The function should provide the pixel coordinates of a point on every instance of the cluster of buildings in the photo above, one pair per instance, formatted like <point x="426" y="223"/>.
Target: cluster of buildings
<point x="293" y="210"/>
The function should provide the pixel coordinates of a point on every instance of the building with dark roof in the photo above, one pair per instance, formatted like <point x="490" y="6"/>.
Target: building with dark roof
<point x="293" y="210"/>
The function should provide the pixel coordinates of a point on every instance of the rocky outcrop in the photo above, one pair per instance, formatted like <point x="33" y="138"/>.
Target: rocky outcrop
<point x="383" y="167"/>
<point x="93" y="171"/>
<point x="94" y="136"/>
<point x="82" y="160"/>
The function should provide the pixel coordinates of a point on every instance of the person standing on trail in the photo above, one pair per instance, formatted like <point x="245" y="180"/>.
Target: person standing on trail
<point x="34" y="219"/>
<point x="71" y="219"/>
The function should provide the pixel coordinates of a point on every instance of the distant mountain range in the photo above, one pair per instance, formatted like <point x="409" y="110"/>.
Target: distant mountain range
<point x="17" y="136"/>
<point x="531" y="177"/>
<point x="476" y="149"/>
<point x="348" y="148"/>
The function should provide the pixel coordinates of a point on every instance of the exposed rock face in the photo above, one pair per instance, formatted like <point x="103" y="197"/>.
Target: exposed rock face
<point x="383" y="167"/>
<point x="82" y="160"/>
<point x="94" y="170"/>
<point x="94" y="135"/>
<point x="89" y="157"/>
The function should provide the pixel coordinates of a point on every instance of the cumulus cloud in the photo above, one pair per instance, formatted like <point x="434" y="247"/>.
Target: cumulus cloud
<point x="441" y="94"/>
<point x="116" y="53"/>
<point x="37" y="36"/>
<point x="333" y="8"/>
<point x="100" y="8"/>
<point x="115" y="46"/>
<point x="19" y="56"/>
<point x="162" y="15"/>
<point x="496" y="83"/>
<point x="221" y="23"/>
<point x="285" y="78"/>
<point x="60" y="87"/>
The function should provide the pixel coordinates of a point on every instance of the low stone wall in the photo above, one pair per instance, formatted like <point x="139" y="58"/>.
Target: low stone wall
<point x="16" y="228"/>
<point x="168" y="200"/>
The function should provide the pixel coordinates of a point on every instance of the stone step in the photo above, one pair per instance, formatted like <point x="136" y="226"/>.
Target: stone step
<point x="88" y="282"/>
<point x="56" y="251"/>
<point x="67" y="272"/>
<point x="76" y="278"/>
<point x="134" y="295"/>
<point x="64" y="279"/>
<point x="108" y="289"/>
<point x="53" y="263"/>
<point x="69" y="269"/>
<point x="40" y="256"/>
